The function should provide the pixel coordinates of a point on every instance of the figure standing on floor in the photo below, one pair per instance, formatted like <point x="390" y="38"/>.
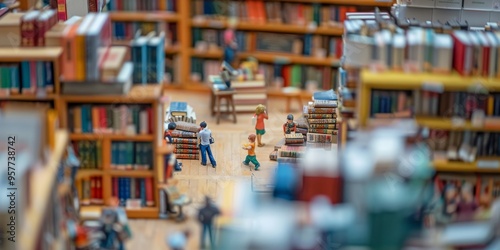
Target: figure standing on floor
<point x="289" y="126"/>
<point x="251" y="157"/>
<point x="205" y="138"/>
<point x="260" y="130"/>
<point x="168" y="138"/>
<point x="206" y="217"/>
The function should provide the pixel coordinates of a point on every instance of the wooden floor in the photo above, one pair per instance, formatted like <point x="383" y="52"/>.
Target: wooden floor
<point x="198" y="181"/>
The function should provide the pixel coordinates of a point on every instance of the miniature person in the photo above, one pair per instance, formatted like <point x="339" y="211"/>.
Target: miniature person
<point x="230" y="44"/>
<point x="251" y="157"/>
<point x="206" y="217"/>
<point x="204" y="142"/>
<point x="225" y="75"/>
<point x="467" y="205"/>
<point x="289" y="126"/>
<point x="111" y="230"/>
<point x="260" y="115"/>
<point x="168" y="137"/>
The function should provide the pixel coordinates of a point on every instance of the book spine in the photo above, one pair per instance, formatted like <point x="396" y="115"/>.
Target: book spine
<point x="149" y="192"/>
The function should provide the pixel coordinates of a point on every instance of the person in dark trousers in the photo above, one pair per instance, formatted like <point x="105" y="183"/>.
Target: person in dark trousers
<point x="206" y="217"/>
<point x="204" y="138"/>
<point x="168" y="137"/>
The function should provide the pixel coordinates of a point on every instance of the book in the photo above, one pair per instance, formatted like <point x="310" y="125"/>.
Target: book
<point x="322" y="121"/>
<point x="317" y="137"/>
<point x="178" y="108"/>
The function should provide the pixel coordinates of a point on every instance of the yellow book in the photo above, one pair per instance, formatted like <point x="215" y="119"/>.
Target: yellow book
<point x="81" y="46"/>
<point x="52" y="125"/>
<point x="489" y="109"/>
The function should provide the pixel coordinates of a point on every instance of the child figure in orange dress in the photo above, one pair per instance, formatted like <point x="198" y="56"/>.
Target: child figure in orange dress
<point x="260" y="115"/>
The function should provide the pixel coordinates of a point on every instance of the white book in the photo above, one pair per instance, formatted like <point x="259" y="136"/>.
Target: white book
<point x="494" y="43"/>
<point x="398" y="51"/>
<point x="443" y="53"/>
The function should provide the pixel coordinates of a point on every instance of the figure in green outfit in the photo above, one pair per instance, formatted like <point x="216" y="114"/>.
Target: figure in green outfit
<point x="251" y="157"/>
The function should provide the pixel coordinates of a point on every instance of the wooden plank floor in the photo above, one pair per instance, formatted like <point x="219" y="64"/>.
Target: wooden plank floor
<point x="197" y="180"/>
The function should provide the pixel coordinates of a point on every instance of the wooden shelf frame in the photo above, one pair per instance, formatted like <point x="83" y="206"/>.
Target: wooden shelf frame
<point x="471" y="167"/>
<point x="143" y="16"/>
<point x="43" y="180"/>
<point x="140" y="94"/>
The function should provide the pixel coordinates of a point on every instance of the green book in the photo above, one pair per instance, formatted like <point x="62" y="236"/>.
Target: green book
<point x="296" y="76"/>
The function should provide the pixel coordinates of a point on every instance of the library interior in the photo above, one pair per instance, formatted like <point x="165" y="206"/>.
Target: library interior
<point x="250" y="124"/>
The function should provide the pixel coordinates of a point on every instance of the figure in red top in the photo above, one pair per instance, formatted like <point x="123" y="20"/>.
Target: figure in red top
<point x="260" y="129"/>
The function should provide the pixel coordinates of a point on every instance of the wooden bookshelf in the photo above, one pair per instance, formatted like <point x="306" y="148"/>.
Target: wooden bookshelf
<point x="378" y="3"/>
<point x="139" y="94"/>
<point x="41" y="183"/>
<point x="481" y="165"/>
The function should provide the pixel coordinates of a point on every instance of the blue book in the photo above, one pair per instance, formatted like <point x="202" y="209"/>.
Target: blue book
<point x="327" y="95"/>
<point x="156" y="59"/>
<point x="49" y="76"/>
<point x="40" y="76"/>
<point x="25" y="76"/>
<point x="122" y="154"/>
<point x="15" y="83"/>
<point x="139" y="58"/>
<point x="143" y="192"/>
<point x="126" y="188"/>
<point x="121" y="191"/>
<point x="178" y="108"/>
<point x="307" y="44"/>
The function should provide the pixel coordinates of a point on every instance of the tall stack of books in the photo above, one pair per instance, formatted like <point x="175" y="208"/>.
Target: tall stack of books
<point x="322" y="117"/>
<point x="185" y="141"/>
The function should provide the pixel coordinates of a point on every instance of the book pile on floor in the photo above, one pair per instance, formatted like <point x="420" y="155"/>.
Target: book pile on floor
<point x="274" y="155"/>
<point x="180" y="111"/>
<point x="321" y="116"/>
<point x="185" y="141"/>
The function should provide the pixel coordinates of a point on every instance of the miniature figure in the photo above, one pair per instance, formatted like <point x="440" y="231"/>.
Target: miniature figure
<point x="168" y="137"/>
<point x="467" y="206"/>
<point x="204" y="137"/>
<point x="230" y="44"/>
<point x="251" y="157"/>
<point x="206" y="216"/>
<point x="226" y="74"/>
<point x="260" y="115"/>
<point x="114" y="232"/>
<point x="289" y="126"/>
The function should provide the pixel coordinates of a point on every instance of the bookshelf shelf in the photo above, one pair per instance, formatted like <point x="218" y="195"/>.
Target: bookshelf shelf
<point x="113" y="137"/>
<point x="492" y="163"/>
<point x="131" y="173"/>
<point x="42" y="180"/>
<point x="406" y="81"/>
<point x="378" y="3"/>
<point x="35" y="98"/>
<point x="93" y="212"/>
<point x="271" y="27"/>
<point x="170" y="50"/>
<point x="18" y="54"/>
<point x="158" y="16"/>
<point x="268" y="57"/>
<point x="450" y="124"/>
<point x="138" y="94"/>
<point x="82" y="173"/>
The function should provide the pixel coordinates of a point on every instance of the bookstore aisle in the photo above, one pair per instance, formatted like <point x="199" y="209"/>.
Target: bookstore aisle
<point x="197" y="181"/>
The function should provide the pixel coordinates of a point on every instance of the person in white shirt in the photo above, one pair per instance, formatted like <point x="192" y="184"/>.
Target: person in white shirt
<point x="204" y="142"/>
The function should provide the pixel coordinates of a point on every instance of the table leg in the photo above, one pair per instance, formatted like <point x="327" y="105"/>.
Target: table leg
<point x="217" y="103"/>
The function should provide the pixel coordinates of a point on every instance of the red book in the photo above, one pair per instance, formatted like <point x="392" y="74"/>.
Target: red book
<point x="28" y="29"/>
<point x="99" y="189"/>
<point x="114" y="191"/>
<point x="149" y="192"/>
<point x="103" y="126"/>
<point x="43" y="23"/>
<point x="93" y="189"/>
<point x="313" y="186"/>
<point x="462" y="52"/>
<point x="287" y="71"/>
<point x="62" y="11"/>
<point x="137" y="188"/>
<point x="92" y="4"/>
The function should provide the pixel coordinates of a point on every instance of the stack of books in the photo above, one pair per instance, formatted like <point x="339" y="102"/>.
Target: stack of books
<point x="185" y="141"/>
<point x="181" y="111"/>
<point x="302" y="126"/>
<point x="295" y="139"/>
<point x="321" y="116"/>
<point x="290" y="154"/>
<point x="274" y="154"/>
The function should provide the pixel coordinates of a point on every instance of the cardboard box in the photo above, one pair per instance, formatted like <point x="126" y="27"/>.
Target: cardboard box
<point x="445" y="15"/>
<point x="454" y="4"/>
<point x="479" y="4"/>
<point x="476" y="18"/>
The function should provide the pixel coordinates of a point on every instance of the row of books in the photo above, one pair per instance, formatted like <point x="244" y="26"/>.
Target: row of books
<point x="141" y="5"/>
<point x="464" y="146"/>
<point x="260" y="11"/>
<point x="28" y="77"/>
<point x="89" y="153"/>
<point x="90" y="191"/>
<point x="127" y="189"/>
<point x="308" y="44"/>
<point x="395" y="104"/>
<point x="119" y="119"/>
<point x="148" y="56"/>
<point x="128" y="30"/>
<point x="131" y="155"/>
<point x="33" y="26"/>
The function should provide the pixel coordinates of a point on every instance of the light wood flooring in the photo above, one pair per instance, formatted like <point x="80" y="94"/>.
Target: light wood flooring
<point x="197" y="181"/>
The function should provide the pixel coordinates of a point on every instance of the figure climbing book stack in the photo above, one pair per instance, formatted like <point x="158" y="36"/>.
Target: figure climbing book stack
<point x="185" y="141"/>
<point x="321" y="115"/>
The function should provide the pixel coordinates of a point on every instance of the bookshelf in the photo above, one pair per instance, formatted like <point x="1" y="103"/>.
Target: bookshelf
<point x="147" y="95"/>
<point x="421" y="81"/>
<point x="44" y="181"/>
